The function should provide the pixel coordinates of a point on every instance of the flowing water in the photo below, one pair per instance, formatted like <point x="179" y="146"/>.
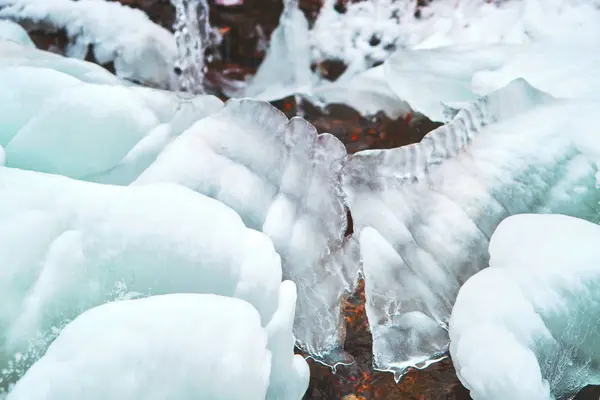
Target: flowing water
<point x="193" y="35"/>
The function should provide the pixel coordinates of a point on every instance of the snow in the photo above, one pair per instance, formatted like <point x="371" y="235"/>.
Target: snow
<point x="198" y="346"/>
<point x="140" y="50"/>
<point x="526" y="328"/>
<point x="283" y="179"/>
<point x="67" y="245"/>
<point x="424" y="212"/>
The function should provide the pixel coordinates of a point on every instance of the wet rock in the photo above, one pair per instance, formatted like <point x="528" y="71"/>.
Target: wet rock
<point x="358" y="132"/>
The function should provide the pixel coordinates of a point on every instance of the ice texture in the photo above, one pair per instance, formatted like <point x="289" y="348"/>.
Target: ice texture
<point x="283" y="179"/>
<point x="425" y="212"/>
<point x="68" y="245"/>
<point x="526" y="328"/>
<point x="368" y="92"/>
<point x="13" y="55"/>
<point x="286" y="68"/>
<point x="431" y="79"/>
<point x="192" y="35"/>
<point x="366" y="33"/>
<point x="101" y="130"/>
<point x="12" y="31"/>
<point x="177" y="346"/>
<point x="139" y="49"/>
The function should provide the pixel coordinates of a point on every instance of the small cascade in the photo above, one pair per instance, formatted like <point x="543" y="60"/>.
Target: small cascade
<point x="193" y="36"/>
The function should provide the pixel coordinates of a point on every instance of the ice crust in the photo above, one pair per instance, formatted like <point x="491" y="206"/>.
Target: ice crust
<point x="369" y="32"/>
<point x="286" y="68"/>
<point x="140" y="50"/>
<point x="526" y="328"/>
<point x="432" y="79"/>
<point x="72" y="118"/>
<point x="425" y="212"/>
<point x="283" y="179"/>
<point x="279" y="175"/>
<point x="12" y="31"/>
<point x="172" y="346"/>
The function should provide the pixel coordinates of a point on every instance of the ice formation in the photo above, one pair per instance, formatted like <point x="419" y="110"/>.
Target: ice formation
<point x="424" y="212"/>
<point x="367" y="92"/>
<point x="368" y="32"/>
<point x="178" y="346"/>
<point x="279" y="175"/>
<point x="286" y="68"/>
<point x="140" y="50"/>
<point x="283" y="179"/>
<point x="118" y="129"/>
<point x="527" y="327"/>
<point x="432" y="79"/>
<point x="192" y="35"/>
<point x="12" y="31"/>
<point x="68" y="246"/>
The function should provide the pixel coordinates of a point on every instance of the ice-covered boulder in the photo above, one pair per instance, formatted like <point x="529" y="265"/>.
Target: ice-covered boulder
<point x="139" y="49"/>
<point x="73" y="118"/>
<point x="177" y="346"/>
<point x="526" y="328"/>
<point x="283" y="179"/>
<point x="424" y="213"/>
<point x="67" y="246"/>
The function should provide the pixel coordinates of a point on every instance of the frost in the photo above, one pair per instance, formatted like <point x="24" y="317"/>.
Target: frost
<point x="424" y="212"/>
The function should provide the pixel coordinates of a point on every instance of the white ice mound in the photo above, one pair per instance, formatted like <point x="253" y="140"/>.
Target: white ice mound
<point x="283" y="179"/>
<point x="67" y="246"/>
<point x="14" y="32"/>
<point x="527" y="327"/>
<point x="365" y="33"/>
<point x="51" y="121"/>
<point x="139" y="49"/>
<point x="14" y="54"/>
<point x="367" y="92"/>
<point x="430" y="79"/>
<point x="425" y="212"/>
<point x="177" y="346"/>
<point x="286" y="68"/>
